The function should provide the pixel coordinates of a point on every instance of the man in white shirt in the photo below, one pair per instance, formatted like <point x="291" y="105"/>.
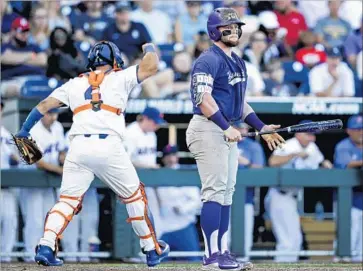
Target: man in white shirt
<point x="333" y="78"/>
<point x="36" y="202"/>
<point x="299" y="152"/>
<point x="141" y="145"/>
<point x="179" y="207"/>
<point x="157" y="22"/>
<point x="9" y="214"/>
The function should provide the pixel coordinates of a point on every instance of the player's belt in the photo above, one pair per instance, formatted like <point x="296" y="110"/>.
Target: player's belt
<point x="100" y="136"/>
<point x="96" y="106"/>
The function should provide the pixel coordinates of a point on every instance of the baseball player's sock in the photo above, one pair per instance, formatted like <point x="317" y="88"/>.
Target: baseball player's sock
<point x="209" y="221"/>
<point x="223" y="228"/>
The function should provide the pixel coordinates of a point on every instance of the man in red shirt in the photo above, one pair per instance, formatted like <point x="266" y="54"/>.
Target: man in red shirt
<point x="291" y="19"/>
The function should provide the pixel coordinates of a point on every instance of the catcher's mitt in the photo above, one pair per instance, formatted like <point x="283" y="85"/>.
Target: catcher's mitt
<point x="28" y="149"/>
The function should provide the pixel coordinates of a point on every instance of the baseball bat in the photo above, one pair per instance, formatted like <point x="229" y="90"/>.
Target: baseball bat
<point x="310" y="127"/>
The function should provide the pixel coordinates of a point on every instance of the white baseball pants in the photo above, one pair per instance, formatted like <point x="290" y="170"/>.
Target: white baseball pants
<point x="107" y="159"/>
<point x="9" y="222"/>
<point x="285" y="221"/>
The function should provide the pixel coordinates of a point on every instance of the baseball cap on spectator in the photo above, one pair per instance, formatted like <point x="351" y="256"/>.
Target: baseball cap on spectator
<point x="333" y="52"/>
<point x="170" y="149"/>
<point x="355" y="122"/>
<point x="268" y="19"/>
<point x="154" y="114"/>
<point x="20" y="24"/>
<point x="122" y="6"/>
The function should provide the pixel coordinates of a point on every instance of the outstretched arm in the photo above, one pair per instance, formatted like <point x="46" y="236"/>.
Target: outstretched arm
<point x="37" y="113"/>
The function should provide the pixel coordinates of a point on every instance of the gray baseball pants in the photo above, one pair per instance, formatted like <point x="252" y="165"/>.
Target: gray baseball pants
<point x="217" y="159"/>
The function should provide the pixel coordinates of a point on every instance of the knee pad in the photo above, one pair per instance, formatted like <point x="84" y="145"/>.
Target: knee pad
<point x="139" y="212"/>
<point x="66" y="207"/>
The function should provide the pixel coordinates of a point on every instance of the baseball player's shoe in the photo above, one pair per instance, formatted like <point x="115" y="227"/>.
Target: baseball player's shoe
<point x="211" y="263"/>
<point x="153" y="258"/>
<point x="46" y="256"/>
<point x="228" y="261"/>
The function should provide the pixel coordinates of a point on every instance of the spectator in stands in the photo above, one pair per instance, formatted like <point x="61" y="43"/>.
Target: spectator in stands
<point x="255" y="84"/>
<point x="277" y="46"/>
<point x="351" y="11"/>
<point x="202" y="43"/>
<point x="251" y="155"/>
<point x="91" y="24"/>
<point x="256" y="7"/>
<point x="179" y="208"/>
<point x="299" y="152"/>
<point x="251" y="21"/>
<point x="39" y="30"/>
<point x="290" y="19"/>
<point x="129" y="36"/>
<point x="56" y="18"/>
<point x="313" y="11"/>
<point x="353" y="45"/>
<point x="9" y="210"/>
<point x="310" y="53"/>
<point x="332" y="30"/>
<point x="182" y="65"/>
<point x="65" y="61"/>
<point x="254" y="52"/>
<point x="8" y="16"/>
<point x="275" y="84"/>
<point x="349" y="154"/>
<point x="189" y="24"/>
<point x="19" y="59"/>
<point x="173" y="8"/>
<point x="156" y="22"/>
<point x="359" y="66"/>
<point x="333" y="78"/>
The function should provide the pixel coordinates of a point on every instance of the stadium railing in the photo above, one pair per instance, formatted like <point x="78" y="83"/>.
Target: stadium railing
<point x="126" y="244"/>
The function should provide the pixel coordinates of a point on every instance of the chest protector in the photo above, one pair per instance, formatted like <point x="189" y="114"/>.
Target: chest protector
<point x="96" y="104"/>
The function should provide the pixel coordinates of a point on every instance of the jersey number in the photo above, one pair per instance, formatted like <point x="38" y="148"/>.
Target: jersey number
<point x="88" y="93"/>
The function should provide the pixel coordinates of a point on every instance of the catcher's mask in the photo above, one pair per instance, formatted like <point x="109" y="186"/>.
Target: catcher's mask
<point x="223" y="17"/>
<point x="105" y="53"/>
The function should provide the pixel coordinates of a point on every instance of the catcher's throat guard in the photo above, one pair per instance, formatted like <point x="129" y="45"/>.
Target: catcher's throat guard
<point x="28" y="149"/>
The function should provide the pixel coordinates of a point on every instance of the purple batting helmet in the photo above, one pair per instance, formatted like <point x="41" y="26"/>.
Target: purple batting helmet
<point x="221" y="17"/>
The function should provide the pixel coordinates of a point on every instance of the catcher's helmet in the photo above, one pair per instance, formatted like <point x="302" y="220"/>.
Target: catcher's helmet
<point x="221" y="17"/>
<point x="104" y="53"/>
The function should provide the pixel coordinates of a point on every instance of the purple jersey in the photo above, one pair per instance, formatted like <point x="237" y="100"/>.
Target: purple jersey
<point x="224" y="77"/>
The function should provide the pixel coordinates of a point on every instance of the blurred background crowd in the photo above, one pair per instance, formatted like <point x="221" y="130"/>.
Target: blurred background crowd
<point x="292" y="48"/>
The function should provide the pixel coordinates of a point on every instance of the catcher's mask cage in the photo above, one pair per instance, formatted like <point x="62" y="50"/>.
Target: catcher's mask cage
<point x="105" y="53"/>
<point x="222" y="17"/>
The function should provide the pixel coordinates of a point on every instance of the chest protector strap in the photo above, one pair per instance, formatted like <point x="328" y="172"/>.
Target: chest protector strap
<point x="96" y="104"/>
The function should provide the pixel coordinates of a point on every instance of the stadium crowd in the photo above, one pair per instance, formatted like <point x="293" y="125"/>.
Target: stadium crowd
<point x="292" y="48"/>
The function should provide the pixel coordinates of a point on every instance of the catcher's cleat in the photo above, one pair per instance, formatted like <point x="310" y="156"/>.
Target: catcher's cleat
<point x="46" y="256"/>
<point x="153" y="258"/>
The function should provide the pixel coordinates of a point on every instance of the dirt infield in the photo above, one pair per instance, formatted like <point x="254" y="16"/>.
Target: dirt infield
<point x="181" y="267"/>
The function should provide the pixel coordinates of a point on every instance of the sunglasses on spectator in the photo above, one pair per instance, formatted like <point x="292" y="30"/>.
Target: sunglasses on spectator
<point x="259" y="39"/>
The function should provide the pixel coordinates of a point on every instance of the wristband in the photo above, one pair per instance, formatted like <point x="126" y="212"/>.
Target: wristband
<point x="149" y="49"/>
<point x="220" y="120"/>
<point x="33" y="117"/>
<point x="254" y="121"/>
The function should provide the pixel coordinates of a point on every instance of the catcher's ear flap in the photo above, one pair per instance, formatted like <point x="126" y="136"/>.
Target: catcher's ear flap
<point x="28" y="150"/>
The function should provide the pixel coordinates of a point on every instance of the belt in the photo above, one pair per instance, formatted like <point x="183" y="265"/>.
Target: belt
<point x="100" y="136"/>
